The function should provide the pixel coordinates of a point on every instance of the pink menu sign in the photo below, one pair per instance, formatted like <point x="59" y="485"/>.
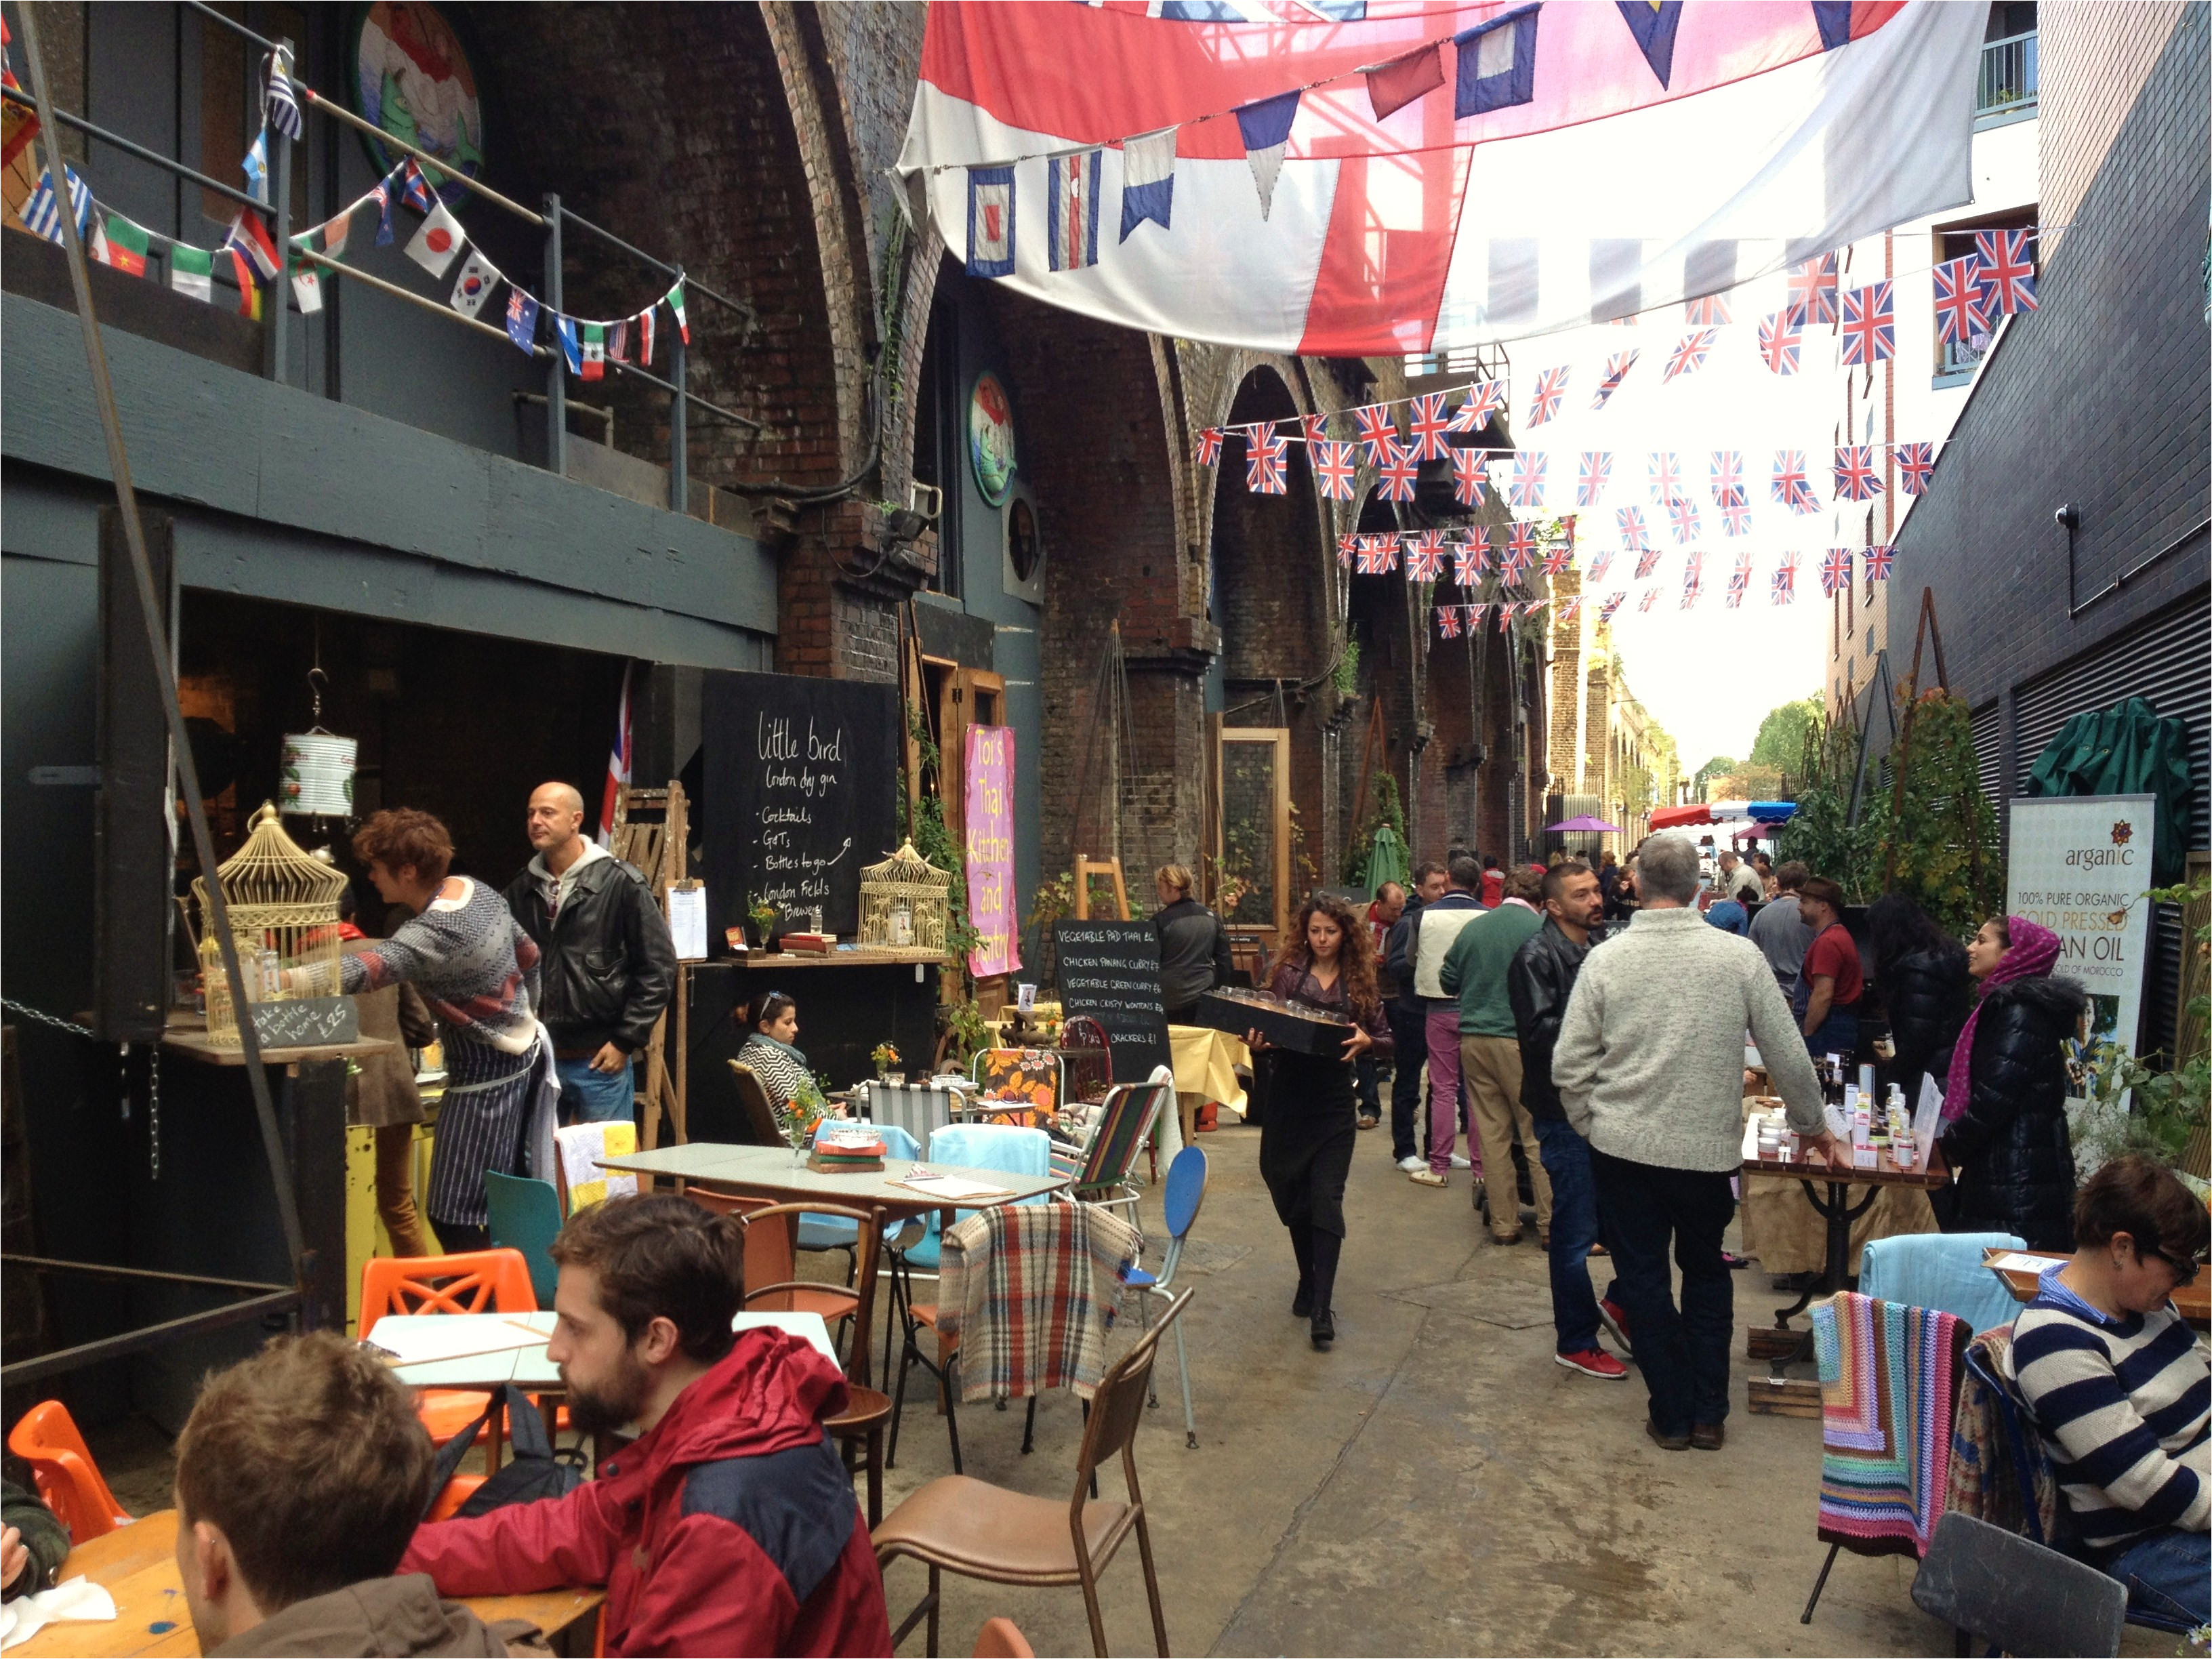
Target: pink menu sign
<point x="990" y="851"/>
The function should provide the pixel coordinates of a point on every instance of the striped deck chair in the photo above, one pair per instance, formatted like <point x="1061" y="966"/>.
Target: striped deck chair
<point x="1099" y="1170"/>
<point x="1889" y="1390"/>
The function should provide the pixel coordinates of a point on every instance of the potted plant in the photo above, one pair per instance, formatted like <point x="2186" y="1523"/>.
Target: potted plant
<point x="762" y="915"/>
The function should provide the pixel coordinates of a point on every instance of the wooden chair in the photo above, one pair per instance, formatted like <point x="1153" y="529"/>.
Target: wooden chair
<point x="969" y="1527"/>
<point x="1001" y="1638"/>
<point x="62" y="1469"/>
<point x="762" y="1127"/>
<point x="471" y="1281"/>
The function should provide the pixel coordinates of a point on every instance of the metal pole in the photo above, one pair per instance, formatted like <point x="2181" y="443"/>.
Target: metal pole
<point x="134" y="531"/>
<point x="679" y="486"/>
<point x="556" y="389"/>
<point x="280" y="226"/>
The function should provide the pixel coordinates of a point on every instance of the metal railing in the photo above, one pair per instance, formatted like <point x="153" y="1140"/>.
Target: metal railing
<point x="2008" y="79"/>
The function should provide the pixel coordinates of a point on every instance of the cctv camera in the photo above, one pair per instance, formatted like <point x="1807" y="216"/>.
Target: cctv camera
<point x="2068" y="516"/>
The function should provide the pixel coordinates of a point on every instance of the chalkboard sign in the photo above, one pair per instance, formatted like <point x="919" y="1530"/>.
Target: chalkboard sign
<point x="801" y="791"/>
<point x="1110" y="970"/>
<point x="306" y="1022"/>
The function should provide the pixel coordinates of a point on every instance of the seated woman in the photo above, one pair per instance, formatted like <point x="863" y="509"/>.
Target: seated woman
<point x="767" y="1050"/>
<point x="2120" y="1391"/>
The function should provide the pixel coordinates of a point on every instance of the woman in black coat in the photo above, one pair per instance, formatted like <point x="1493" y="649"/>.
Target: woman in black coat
<point x="1921" y="972"/>
<point x="2004" y="1128"/>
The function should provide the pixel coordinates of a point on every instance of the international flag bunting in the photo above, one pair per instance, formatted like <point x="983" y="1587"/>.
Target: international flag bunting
<point x="1599" y="567"/>
<point x="1878" y="562"/>
<point x="336" y="231"/>
<point x="1707" y="311"/>
<point x="250" y="237"/>
<point x="1736" y="514"/>
<point x="1666" y="470"/>
<point x="1147" y="180"/>
<point x="415" y="188"/>
<point x="1647" y="561"/>
<point x="1551" y="388"/>
<point x="1781" y="342"/>
<point x="191" y="271"/>
<point x="42" y="213"/>
<point x="2008" y="271"/>
<point x="572" y="343"/>
<point x="307" y="289"/>
<point x="1377" y="555"/>
<point x="1785" y="580"/>
<point x="1527" y="488"/>
<point x="1611" y="603"/>
<point x="991" y="222"/>
<point x="1429" y="426"/>
<point x="1471" y="563"/>
<point x="1400" y="472"/>
<point x="1466" y="477"/>
<point x="1650" y="597"/>
<point x="1208" y="453"/>
<point x="1265" y="128"/>
<point x="120" y="245"/>
<point x="1634" y="537"/>
<point x="383" y="195"/>
<point x="593" y="340"/>
<point x="1869" y="328"/>
<point x="1836" y="571"/>
<point x="676" y="308"/>
<point x="1343" y="549"/>
<point x="1071" y="199"/>
<point x="1690" y="353"/>
<point x="1791" y="486"/>
<point x="1596" y="472"/>
<point x="1448" y="621"/>
<point x="1519" y="550"/>
<point x="1812" y="292"/>
<point x="1485" y="399"/>
<point x="438" y="241"/>
<point x="474" y="285"/>
<point x="249" y="285"/>
<point x="1267" y="458"/>
<point x="1727" y="476"/>
<point x="1915" y="466"/>
<point x="1335" y="468"/>
<point x="282" y="110"/>
<point x="646" y="323"/>
<point x="1616" y="370"/>
<point x="1682" y="519"/>
<point x="1960" y="317"/>
<point x="254" y="164"/>
<point x="522" y="320"/>
<point x="1378" y="430"/>
<point x="1425" y="559"/>
<point x="618" y="341"/>
<point x="1855" y="477"/>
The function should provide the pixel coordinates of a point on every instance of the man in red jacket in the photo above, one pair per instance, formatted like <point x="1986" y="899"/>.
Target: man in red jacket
<point x="730" y="1526"/>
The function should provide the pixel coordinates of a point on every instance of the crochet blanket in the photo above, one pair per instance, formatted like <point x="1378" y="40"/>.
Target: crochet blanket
<point x="1029" y="1293"/>
<point x="1889" y="1382"/>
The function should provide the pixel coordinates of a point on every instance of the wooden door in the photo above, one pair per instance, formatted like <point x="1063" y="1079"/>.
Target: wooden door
<point x="1250" y="803"/>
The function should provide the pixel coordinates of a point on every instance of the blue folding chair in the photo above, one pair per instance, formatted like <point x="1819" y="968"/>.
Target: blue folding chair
<point x="1184" y="1198"/>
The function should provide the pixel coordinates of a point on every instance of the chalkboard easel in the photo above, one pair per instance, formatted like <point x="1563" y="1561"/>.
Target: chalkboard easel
<point x="1111" y="971"/>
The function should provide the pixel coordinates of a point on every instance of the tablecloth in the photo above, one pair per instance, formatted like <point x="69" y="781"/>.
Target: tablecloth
<point x="1206" y="1062"/>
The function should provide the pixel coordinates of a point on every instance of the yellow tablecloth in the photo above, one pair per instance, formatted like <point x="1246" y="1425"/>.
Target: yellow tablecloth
<point x="1206" y="1062"/>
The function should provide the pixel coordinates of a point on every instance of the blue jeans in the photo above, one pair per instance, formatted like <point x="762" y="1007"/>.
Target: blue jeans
<point x="2169" y="1577"/>
<point x="1838" y="1034"/>
<point x="1684" y="1356"/>
<point x="1574" y="1229"/>
<point x="590" y="1097"/>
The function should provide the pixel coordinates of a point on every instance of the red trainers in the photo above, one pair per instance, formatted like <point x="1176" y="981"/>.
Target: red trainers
<point x="1593" y="1362"/>
<point x="1616" y="1325"/>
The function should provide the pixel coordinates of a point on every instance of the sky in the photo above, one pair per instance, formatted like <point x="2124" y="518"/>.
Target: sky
<point x="1708" y="675"/>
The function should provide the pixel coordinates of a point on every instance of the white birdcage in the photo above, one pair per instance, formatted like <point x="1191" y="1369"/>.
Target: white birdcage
<point x="904" y="905"/>
<point x="283" y="910"/>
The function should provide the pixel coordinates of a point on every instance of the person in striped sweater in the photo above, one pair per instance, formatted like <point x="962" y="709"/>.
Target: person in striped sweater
<point x="2118" y="1387"/>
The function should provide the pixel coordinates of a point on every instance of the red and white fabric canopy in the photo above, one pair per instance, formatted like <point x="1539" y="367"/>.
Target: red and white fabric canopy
<point x="1553" y="163"/>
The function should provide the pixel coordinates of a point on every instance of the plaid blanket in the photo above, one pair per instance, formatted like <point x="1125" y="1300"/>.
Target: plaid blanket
<point x="1028" y="1291"/>
<point x="1889" y="1380"/>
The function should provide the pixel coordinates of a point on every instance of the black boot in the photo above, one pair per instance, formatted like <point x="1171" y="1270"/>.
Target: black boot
<point x="1302" y="1247"/>
<point x="1302" y="1303"/>
<point x="1324" y="1328"/>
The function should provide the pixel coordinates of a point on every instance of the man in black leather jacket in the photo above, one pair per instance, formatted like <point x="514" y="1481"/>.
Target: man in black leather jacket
<point x="1541" y="979"/>
<point x="608" y="964"/>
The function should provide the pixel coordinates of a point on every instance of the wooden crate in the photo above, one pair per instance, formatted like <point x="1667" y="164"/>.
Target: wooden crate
<point x="1786" y="1396"/>
<point x="1771" y="1341"/>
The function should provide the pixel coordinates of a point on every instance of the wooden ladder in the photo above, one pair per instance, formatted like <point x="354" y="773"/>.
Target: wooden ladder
<point x="651" y="830"/>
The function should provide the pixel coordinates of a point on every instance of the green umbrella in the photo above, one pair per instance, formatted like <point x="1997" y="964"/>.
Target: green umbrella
<point x="1386" y="859"/>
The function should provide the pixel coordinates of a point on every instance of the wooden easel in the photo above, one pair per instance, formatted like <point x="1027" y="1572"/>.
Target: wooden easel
<point x="658" y="848"/>
<point x="1085" y="869"/>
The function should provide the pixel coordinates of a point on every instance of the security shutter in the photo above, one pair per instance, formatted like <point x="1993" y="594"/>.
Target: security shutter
<point x="1989" y="750"/>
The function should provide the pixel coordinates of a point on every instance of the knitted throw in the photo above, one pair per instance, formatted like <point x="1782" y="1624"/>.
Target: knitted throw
<point x="1028" y="1291"/>
<point x="1889" y="1381"/>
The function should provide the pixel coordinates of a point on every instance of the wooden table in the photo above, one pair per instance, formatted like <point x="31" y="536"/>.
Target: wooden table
<point x="769" y="1172"/>
<point x="137" y="1563"/>
<point x="528" y="1368"/>
<point x="2192" y="1301"/>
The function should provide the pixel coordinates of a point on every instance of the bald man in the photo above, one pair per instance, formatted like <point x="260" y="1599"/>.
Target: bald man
<point x="608" y="964"/>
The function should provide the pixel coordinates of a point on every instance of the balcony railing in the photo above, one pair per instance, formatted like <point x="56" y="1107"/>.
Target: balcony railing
<point x="2006" y="89"/>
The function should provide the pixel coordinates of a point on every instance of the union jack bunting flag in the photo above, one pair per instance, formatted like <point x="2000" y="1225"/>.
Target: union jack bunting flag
<point x="1634" y="537"/>
<point x="1470" y="562"/>
<point x="1961" y="316"/>
<point x="1727" y="476"/>
<point x="2008" y="271"/>
<point x="1647" y="561"/>
<point x="1448" y="621"/>
<point x="1692" y="587"/>
<point x="1466" y="477"/>
<point x="1569" y="607"/>
<point x="1267" y="458"/>
<point x="1836" y="571"/>
<point x="1666" y="475"/>
<point x="1399" y="470"/>
<point x="1650" y="597"/>
<point x="1314" y="428"/>
<point x="1616" y="370"/>
<point x="1791" y="488"/>
<point x="1424" y="557"/>
<point x="1428" y="428"/>
<point x="1474" y="614"/>
<point x="1484" y="398"/>
<point x="1739" y="580"/>
<point x="1527" y="488"/>
<point x="1870" y="324"/>
<point x="1551" y="388"/>
<point x="1813" y="291"/>
<point x="1780" y="341"/>
<point x="1706" y="311"/>
<point x="1682" y="519"/>
<point x="1599" y="566"/>
<point x="1736" y="514"/>
<point x="1596" y="472"/>
<point x="1377" y="555"/>
<point x="1916" y="464"/>
<point x="1878" y="562"/>
<point x="1519" y="548"/>
<point x="1344" y="544"/>
<point x="1506" y="616"/>
<point x="1690" y="353"/>
<point x="1785" y="580"/>
<point x="1334" y="467"/>
<point x="1611" y="603"/>
<point x="1209" y="448"/>
<point x="1855" y="477"/>
<point x="1377" y="427"/>
<point x="1558" y="558"/>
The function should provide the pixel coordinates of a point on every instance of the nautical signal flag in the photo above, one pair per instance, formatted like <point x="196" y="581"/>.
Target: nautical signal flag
<point x="1780" y="341"/>
<point x="1265" y="462"/>
<point x="1595" y="473"/>
<point x="1855" y="477"/>
<point x="1400" y="472"/>
<point x="522" y="320"/>
<point x="1466" y="477"/>
<point x="1209" y="448"/>
<point x="1265" y="128"/>
<point x="1527" y="487"/>
<point x="1960" y="316"/>
<point x="1690" y="353"/>
<point x="1915" y="466"/>
<point x="1616" y="370"/>
<point x="1790" y="487"/>
<point x="435" y="244"/>
<point x="474" y="285"/>
<point x="1869" y="328"/>
<point x="2008" y="271"/>
<point x="1543" y="403"/>
<point x="1836" y="571"/>
<point x="1429" y="426"/>
<point x="1485" y="399"/>
<point x="991" y="222"/>
<point x="1334" y="468"/>
<point x="1812" y="292"/>
<point x="1147" y="180"/>
<point x="1393" y="85"/>
<point x="1072" y="209"/>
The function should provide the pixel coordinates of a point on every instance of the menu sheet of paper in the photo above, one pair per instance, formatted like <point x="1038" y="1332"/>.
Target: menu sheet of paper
<point x="951" y="1187"/>
<point x="2017" y="1261"/>
<point x="687" y="921"/>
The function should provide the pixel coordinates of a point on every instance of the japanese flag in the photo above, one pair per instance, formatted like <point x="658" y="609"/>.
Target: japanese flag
<point x="436" y="243"/>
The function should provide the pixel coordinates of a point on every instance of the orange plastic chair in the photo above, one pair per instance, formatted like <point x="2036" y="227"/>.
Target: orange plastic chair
<point x="68" y="1479"/>
<point x="1002" y="1638"/>
<point x="458" y="1492"/>
<point x="473" y="1281"/>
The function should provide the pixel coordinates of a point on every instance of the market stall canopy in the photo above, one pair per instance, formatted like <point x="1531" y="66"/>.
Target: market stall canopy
<point x="1584" y="825"/>
<point x="1386" y="859"/>
<point x="1683" y="818"/>
<point x="1298" y="175"/>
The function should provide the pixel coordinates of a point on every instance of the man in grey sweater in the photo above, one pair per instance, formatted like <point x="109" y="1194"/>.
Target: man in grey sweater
<point x="1649" y="1069"/>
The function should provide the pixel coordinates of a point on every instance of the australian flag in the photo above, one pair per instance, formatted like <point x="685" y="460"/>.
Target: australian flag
<point x="521" y="319"/>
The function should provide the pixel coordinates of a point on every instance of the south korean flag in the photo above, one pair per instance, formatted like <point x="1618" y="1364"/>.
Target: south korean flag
<point x="474" y="285"/>
<point x="991" y="222"/>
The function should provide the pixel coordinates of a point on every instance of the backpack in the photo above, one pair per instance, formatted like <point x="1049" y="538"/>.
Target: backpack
<point x="539" y="1469"/>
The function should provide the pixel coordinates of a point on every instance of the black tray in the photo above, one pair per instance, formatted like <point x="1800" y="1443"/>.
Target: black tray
<point x="1306" y="1030"/>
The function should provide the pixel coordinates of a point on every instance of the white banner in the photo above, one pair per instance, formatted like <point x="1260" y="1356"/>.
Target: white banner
<point x="2080" y="865"/>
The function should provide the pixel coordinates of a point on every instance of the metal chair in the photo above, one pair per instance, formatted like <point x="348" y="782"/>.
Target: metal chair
<point x="1024" y="1084"/>
<point x="62" y="1469"/>
<point x="2017" y="1595"/>
<point x="1185" y="1196"/>
<point x="1099" y="1170"/>
<point x="978" y="1531"/>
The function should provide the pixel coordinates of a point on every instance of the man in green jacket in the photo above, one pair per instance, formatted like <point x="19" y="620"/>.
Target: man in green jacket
<point x="1490" y="1050"/>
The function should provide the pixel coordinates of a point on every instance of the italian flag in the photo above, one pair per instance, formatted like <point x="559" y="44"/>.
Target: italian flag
<point x="191" y="270"/>
<point x="121" y="245"/>
<point x="595" y="352"/>
<point x="676" y="305"/>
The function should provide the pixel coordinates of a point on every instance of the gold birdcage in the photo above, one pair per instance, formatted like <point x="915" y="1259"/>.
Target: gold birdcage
<point x="283" y="910"/>
<point x="904" y="905"/>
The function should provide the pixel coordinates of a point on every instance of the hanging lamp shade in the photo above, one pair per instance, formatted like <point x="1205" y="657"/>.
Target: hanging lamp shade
<point x="316" y="779"/>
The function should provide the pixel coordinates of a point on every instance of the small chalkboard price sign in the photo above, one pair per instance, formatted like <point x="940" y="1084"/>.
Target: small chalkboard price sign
<point x="306" y="1022"/>
<point x="1110" y="970"/>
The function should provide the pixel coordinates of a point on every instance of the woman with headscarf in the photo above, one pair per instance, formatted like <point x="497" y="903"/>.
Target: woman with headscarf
<point x="2004" y="1105"/>
<point x="1306" y="1141"/>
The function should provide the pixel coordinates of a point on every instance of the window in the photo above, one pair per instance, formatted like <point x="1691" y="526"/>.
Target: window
<point x="940" y="428"/>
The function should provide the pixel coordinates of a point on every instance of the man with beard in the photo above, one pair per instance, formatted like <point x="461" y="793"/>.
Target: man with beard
<point x="730" y="1525"/>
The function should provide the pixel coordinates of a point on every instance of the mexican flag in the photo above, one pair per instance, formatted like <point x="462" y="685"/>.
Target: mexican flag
<point x="594" y="364"/>
<point x="120" y="245"/>
<point x="191" y="270"/>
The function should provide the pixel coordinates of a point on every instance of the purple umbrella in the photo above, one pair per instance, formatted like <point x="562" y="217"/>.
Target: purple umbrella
<point x="1585" y="825"/>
